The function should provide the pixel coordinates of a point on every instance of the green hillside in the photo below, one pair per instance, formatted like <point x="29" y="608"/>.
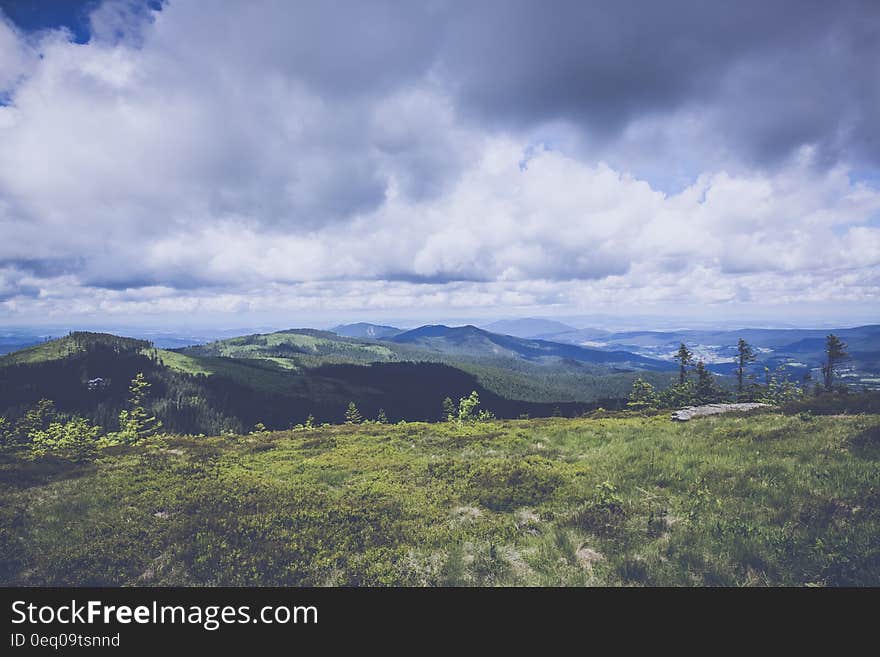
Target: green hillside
<point x="78" y="342"/>
<point x="301" y="348"/>
<point x="474" y="342"/>
<point x="276" y="380"/>
<point x="762" y="500"/>
<point x="525" y="370"/>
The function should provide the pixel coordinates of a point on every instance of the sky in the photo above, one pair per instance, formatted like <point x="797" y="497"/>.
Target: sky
<point x="307" y="163"/>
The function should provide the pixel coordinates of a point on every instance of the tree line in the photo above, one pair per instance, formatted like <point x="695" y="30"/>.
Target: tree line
<point x="697" y="385"/>
<point x="48" y="430"/>
<point x="77" y="428"/>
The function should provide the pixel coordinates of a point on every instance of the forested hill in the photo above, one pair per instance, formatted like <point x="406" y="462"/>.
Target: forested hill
<point x="427" y="343"/>
<point x="77" y="342"/>
<point x="281" y="379"/>
<point x="527" y="370"/>
<point x="472" y="341"/>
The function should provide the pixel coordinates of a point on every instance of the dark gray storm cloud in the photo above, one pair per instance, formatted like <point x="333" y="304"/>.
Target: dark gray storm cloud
<point x="774" y="75"/>
<point x="771" y="75"/>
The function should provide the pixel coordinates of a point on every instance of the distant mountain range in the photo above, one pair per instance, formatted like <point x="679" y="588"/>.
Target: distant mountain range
<point x="768" y="338"/>
<point x="797" y="351"/>
<point x="15" y="339"/>
<point x="528" y="327"/>
<point x="472" y="341"/>
<point x="365" y="330"/>
<point x="281" y="377"/>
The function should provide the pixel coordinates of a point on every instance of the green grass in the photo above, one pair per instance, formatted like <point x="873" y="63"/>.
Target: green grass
<point x="181" y="362"/>
<point x="760" y="500"/>
<point x="284" y="363"/>
<point x="52" y="350"/>
<point x="265" y="374"/>
<point x="39" y="353"/>
<point x="543" y="380"/>
<point x="293" y="349"/>
<point x="73" y="343"/>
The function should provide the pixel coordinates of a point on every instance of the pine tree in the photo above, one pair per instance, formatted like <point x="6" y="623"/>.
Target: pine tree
<point x="449" y="411"/>
<point x="135" y="423"/>
<point x="352" y="414"/>
<point x="707" y="390"/>
<point x="381" y="418"/>
<point x="642" y="396"/>
<point x="37" y="418"/>
<point x="745" y="355"/>
<point x="684" y="358"/>
<point x="835" y="351"/>
<point x="678" y="396"/>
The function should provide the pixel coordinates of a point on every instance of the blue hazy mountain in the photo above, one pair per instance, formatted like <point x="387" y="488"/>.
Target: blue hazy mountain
<point x="799" y="350"/>
<point x="472" y="341"/>
<point x="529" y="327"/>
<point x="13" y="339"/>
<point x="279" y="379"/>
<point x="365" y="330"/>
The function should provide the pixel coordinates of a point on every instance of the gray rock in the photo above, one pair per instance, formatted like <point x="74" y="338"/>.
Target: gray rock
<point x="686" y="414"/>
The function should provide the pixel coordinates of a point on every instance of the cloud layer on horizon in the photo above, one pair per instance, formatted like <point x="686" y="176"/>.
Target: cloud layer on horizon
<point x="447" y="155"/>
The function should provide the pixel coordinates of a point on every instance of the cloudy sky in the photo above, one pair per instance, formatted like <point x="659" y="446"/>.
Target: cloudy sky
<point x="189" y="161"/>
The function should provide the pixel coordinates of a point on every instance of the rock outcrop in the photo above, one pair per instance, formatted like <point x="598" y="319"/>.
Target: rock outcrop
<point x="686" y="414"/>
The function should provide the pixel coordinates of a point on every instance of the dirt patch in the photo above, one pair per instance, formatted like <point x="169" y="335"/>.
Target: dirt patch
<point x="527" y="521"/>
<point x="586" y="557"/>
<point x="466" y="514"/>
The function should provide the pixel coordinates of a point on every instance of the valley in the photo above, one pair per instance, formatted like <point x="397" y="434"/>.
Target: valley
<point x="279" y="379"/>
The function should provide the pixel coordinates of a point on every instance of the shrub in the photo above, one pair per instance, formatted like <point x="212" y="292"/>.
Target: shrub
<point x="36" y="418"/>
<point x="834" y="404"/>
<point x="75" y="439"/>
<point x="502" y="484"/>
<point x="467" y="407"/>
<point x="603" y="513"/>
<point x="780" y="389"/>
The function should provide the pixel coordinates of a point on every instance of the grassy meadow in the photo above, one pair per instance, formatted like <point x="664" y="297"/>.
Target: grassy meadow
<point x="765" y="499"/>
